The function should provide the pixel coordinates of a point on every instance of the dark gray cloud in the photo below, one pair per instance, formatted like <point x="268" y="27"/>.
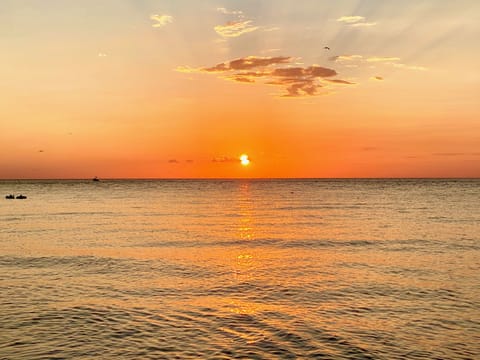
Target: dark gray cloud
<point x="247" y="63"/>
<point x="296" y="80"/>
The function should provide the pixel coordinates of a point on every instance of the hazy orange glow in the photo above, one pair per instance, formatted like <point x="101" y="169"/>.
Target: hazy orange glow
<point x="144" y="92"/>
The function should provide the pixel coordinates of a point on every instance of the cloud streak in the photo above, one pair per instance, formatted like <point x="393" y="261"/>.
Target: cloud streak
<point x="382" y="59"/>
<point x="235" y="28"/>
<point x="161" y="20"/>
<point x="229" y="12"/>
<point x="355" y="21"/>
<point x="385" y="60"/>
<point x="363" y="24"/>
<point x="351" y="19"/>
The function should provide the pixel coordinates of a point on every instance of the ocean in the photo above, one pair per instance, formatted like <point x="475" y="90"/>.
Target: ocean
<point x="240" y="269"/>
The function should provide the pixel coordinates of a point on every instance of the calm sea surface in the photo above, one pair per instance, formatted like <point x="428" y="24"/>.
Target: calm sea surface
<point x="252" y="269"/>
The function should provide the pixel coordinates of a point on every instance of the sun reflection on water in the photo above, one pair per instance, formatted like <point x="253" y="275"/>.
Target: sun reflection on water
<point x="245" y="204"/>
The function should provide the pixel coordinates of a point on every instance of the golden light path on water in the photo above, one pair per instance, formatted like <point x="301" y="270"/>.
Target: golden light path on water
<point x="230" y="269"/>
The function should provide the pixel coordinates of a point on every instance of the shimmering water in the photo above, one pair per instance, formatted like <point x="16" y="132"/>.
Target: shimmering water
<point x="338" y="269"/>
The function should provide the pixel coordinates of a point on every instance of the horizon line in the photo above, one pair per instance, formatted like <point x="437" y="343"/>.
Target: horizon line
<point x="246" y="178"/>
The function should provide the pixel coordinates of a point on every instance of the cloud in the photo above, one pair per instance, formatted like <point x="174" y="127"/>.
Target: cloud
<point x="305" y="87"/>
<point x="340" y="58"/>
<point x="270" y="50"/>
<point x="350" y="19"/>
<point x="240" y="78"/>
<point x="355" y="21"/>
<point x="378" y="78"/>
<point x="239" y="26"/>
<point x="161" y="20"/>
<point x="363" y="24"/>
<point x="277" y="71"/>
<point x="394" y="61"/>
<point x="235" y="28"/>
<point x="359" y="59"/>
<point x="298" y="72"/>
<point x="230" y="12"/>
<point x="186" y="69"/>
<point x="173" y="161"/>
<point x="318" y="71"/>
<point x="249" y="62"/>
<point x="339" y="81"/>
<point x="409" y="67"/>
<point x="382" y="59"/>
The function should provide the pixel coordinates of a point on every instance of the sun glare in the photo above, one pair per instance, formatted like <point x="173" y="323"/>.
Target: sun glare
<point x="244" y="159"/>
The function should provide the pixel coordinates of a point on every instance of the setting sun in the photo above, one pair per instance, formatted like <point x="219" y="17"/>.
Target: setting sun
<point x="244" y="160"/>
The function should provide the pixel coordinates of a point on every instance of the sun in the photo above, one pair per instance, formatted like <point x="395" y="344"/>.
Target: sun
<point x="244" y="160"/>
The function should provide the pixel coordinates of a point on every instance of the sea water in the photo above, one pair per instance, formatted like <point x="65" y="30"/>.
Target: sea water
<point x="230" y="269"/>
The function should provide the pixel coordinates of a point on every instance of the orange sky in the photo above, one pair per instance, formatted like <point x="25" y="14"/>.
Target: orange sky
<point x="150" y="89"/>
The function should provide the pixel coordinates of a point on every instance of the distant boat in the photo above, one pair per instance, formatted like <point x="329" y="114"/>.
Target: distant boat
<point x="95" y="179"/>
<point x="21" y="197"/>
<point x="10" y="196"/>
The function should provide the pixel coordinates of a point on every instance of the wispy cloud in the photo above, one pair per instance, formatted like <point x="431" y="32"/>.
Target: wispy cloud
<point x="377" y="78"/>
<point x="277" y="71"/>
<point x="186" y="69"/>
<point x="409" y="67"/>
<point x="161" y="20"/>
<point x="266" y="51"/>
<point x="363" y="24"/>
<point x="230" y="12"/>
<point x="340" y="58"/>
<point x="339" y="81"/>
<point x="382" y="59"/>
<point x="235" y="28"/>
<point x="385" y="60"/>
<point x="355" y="21"/>
<point x="350" y="19"/>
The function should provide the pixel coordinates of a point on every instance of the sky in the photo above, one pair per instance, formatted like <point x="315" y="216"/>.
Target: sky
<point x="181" y="89"/>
